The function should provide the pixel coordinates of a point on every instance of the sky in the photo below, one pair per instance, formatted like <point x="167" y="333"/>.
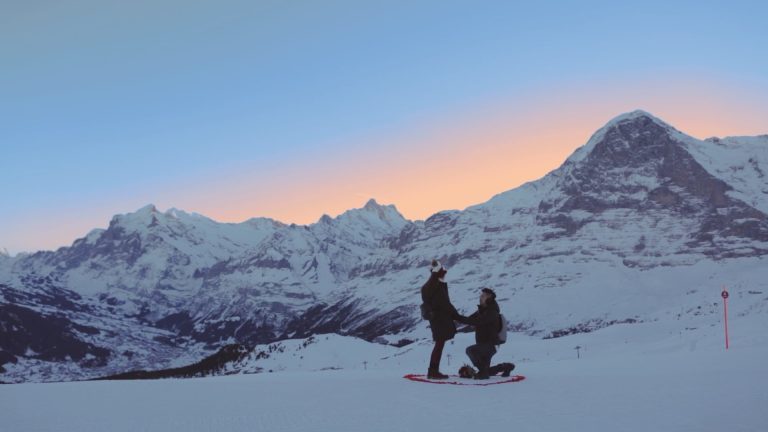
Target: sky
<point x="292" y="110"/>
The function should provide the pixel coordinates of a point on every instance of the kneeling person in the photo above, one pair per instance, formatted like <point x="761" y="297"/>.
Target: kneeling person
<point x="487" y="324"/>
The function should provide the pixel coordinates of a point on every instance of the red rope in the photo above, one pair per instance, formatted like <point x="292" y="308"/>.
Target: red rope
<point x="423" y="378"/>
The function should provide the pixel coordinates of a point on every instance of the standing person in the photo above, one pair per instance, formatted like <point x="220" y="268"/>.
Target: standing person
<point x="487" y="323"/>
<point x="434" y="294"/>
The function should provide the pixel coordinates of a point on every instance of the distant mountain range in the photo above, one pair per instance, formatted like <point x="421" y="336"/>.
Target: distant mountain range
<point x="641" y="223"/>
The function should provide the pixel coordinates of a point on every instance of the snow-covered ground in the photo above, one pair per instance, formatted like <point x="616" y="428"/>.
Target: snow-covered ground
<point x="640" y="377"/>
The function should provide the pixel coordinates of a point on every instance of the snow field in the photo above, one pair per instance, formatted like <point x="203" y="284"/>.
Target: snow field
<point x="629" y="378"/>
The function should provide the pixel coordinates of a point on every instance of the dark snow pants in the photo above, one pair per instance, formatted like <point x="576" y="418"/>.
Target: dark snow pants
<point x="481" y="355"/>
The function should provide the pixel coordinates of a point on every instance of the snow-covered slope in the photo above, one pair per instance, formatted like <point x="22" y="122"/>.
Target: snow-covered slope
<point x="642" y="223"/>
<point x="739" y="162"/>
<point x="628" y="378"/>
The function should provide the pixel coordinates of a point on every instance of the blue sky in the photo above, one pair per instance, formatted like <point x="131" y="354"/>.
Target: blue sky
<point x="102" y="104"/>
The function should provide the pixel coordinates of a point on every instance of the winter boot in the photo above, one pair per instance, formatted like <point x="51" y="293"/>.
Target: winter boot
<point x="507" y="368"/>
<point x="435" y="374"/>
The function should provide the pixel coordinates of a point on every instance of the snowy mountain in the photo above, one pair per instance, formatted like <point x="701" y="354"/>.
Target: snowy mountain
<point x="642" y="223"/>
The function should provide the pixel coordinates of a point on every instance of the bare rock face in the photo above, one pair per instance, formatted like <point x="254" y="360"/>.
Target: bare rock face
<point x="640" y="164"/>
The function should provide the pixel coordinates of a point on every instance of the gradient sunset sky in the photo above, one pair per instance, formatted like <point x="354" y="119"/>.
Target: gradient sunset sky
<point x="289" y="110"/>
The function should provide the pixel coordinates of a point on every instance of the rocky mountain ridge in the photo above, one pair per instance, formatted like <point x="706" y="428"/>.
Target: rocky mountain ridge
<point x="641" y="209"/>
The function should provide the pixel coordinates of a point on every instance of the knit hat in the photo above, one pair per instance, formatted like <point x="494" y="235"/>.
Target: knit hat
<point x="436" y="266"/>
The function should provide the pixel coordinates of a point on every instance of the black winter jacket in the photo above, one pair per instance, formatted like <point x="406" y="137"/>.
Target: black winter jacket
<point x="486" y="321"/>
<point x="435" y="294"/>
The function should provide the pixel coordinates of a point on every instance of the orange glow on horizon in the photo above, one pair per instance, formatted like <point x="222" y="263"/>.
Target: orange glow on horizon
<point x="453" y="164"/>
<point x="448" y="163"/>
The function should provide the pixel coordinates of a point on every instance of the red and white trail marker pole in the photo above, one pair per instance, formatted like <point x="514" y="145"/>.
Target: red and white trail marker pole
<point x="724" y="295"/>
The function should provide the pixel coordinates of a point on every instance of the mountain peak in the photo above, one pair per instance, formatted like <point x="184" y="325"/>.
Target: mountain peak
<point x="641" y="119"/>
<point x="372" y="205"/>
<point x="147" y="209"/>
<point x="372" y="213"/>
<point x="145" y="216"/>
<point x="634" y="115"/>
